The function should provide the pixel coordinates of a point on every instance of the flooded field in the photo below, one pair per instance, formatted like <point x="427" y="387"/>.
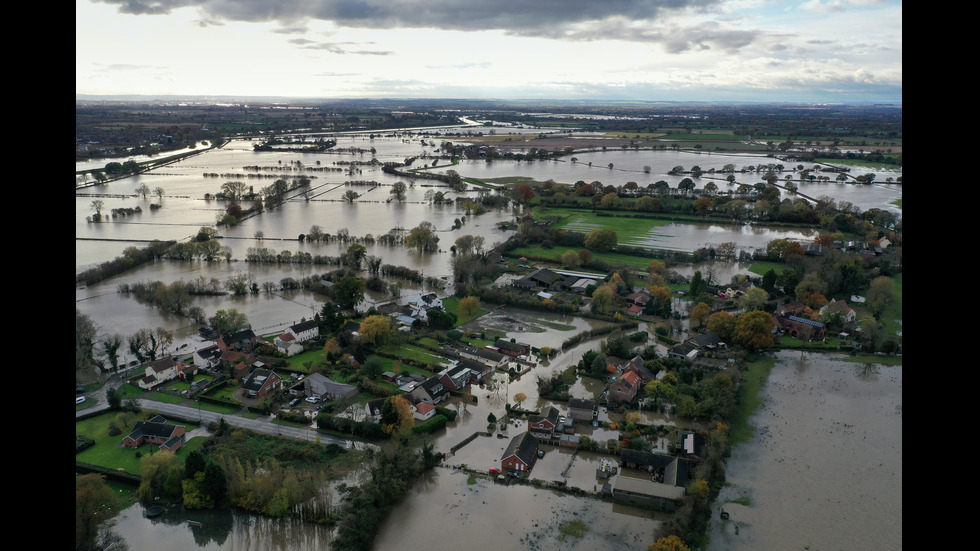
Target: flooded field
<point x="824" y="470"/>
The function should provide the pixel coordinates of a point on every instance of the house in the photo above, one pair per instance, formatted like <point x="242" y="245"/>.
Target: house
<point x="582" y="410"/>
<point x="286" y="343"/>
<point x="666" y="469"/>
<point x="645" y="492"/>
<point x="304" y="331"/>
<point x="520" y="454"/>
<point x="208" y="357"/>
<point x="456" y="377"/>
<point x="839" y="306"/>
<point x="478" y="370"/>
<point x="423" y="411"/>
<point x="792" y="309"/>
<point x="319" y="385"/>
<point x="691" y="445"/>
<point x="389" y="309"/>
<point x="708" y="341"/>
<point x="624" y="389"/>
<point x="638" y="366"/>
<point x="491" y="358"/>
<point x="155" y="431"/>
<point x="543" y="278"/>
<point x="512" y="348"/>
<point x="261" y="382"/>
<point x="638" y="298"/>
<point x="242" y="341"/>
<point x="431" y="390"/>
<point x="159" y="372"/>
<point x="685" y="350"/>
<point x="545" y="424"/>
<point x="738" y="290"/>
<point x="797" y="327"/>
<point x="373" y="410"/>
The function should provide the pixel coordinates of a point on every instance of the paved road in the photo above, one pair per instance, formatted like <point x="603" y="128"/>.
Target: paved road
<point x="263" y="425"/>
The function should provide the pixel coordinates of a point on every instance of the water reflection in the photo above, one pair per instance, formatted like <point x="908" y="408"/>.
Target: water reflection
<point x="178" y="530"/>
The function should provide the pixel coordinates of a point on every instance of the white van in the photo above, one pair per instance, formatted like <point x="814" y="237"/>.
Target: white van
<point x="79" y="400"/>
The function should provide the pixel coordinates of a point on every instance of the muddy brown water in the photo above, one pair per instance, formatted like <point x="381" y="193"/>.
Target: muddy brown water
<point x="823" y="472"/>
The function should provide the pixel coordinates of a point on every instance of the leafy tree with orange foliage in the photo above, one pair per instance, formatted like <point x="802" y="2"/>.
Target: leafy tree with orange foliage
<point x="468" y="305"/>
<point x="699" y="314"/>
<point x="722" y="323"/>
<point x="669" y="543"/>
<point x="753" y="330"/>
<point x="377" y="330"/>
<point x="396" y="415"/>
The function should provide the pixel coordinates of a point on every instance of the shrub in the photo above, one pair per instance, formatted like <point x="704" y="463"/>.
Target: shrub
<point x="432" y="425"/>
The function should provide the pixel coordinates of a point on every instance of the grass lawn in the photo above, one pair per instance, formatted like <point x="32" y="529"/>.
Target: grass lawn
<point x="297" y="362"/>
<point x="107" y="451"/>
<point x="749" y="398"/>
<point x="760" y="268"/>
<point x="408" y="351"/>
<point x="552" y="254"/>
<point x="628" y="230"/>
<point x="451" y="304"/>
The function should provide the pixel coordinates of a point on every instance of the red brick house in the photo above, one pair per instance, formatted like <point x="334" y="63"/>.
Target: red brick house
<point x="520" y="454"/>
<point x="512" y="348"/>
<point x="155" y="431"/>
<point x="544" y="425"/>
<point x="625" y="388"/>
<point x="261" y="382"/>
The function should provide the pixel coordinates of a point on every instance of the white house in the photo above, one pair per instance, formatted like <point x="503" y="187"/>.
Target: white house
<point x="158" y="372"/>
<point x="304" y="331"/>
<point x="847" y="313"/>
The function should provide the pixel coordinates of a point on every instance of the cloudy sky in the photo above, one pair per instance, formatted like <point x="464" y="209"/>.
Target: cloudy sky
<point x="669" y="50"/>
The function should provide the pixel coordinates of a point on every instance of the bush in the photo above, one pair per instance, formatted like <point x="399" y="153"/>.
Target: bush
<point x="432" y="425"/>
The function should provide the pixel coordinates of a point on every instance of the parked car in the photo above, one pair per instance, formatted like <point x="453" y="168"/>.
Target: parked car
<point x="313" y="399"/>
<point x="79" y="400"/>
<point x="294" y="402"/>
<point x="79" y="389"/>
<point x="494" y="470"/>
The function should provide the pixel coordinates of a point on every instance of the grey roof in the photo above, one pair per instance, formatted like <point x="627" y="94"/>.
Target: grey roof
<point x="507" y="345"/>
<point x="156" y="427"/>
<point x="322" y="385"/>
<point x="550" y="414"/>
<point x="577" y="403"/>
<point x="524" y="446"/>
<point x="257" y="378"/>
<point x="434" y="387"/>
<point x="303" y="326"/>
<point x="707" y="339"/>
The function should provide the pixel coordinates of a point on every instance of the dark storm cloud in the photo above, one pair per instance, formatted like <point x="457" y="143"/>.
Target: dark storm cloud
<point x="549" y="18"/>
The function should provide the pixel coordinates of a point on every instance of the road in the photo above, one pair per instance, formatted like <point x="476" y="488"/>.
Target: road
<point x="264" y="425"/>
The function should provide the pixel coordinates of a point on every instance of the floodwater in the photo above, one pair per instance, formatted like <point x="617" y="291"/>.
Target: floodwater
<point x="779" y="471"/>
<point x="824" y="470"/>
<point x="184" y="210"/>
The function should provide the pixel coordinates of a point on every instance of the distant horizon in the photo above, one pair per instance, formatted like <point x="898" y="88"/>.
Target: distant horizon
<point x="707" y="51"/>
<point x="582" y="101"/>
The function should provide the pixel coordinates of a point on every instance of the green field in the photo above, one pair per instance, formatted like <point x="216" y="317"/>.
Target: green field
<point x="613" y="259"/>
<point x="629" y="231"/>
